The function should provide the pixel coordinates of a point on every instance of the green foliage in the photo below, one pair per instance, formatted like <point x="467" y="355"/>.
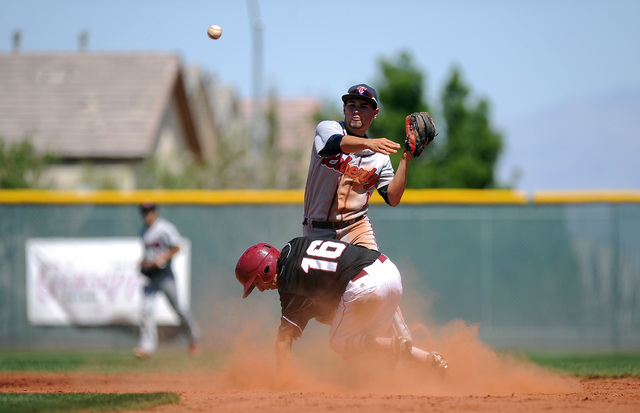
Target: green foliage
<point x="82" y="402"/>
<point x="278" y="169"/>
<point x="92" y="177"/>
<point x="233" y="165"/>
<point x="20" y="165"/>
<point x="402" y="88"/>
<point x="466" y="158"/>
<point x="228" y="170"/>
<point x="155" y="176"/>
<point x="271" y="142"/>
<point x="466" y="150"/>
<point x="400" y="92"/>
<point x="194" y="175"/>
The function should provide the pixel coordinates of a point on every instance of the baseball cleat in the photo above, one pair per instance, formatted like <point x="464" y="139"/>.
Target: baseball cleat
<point x="437" y="361"/>
<point x="140" y="353"/>
<point x="401" y="348"/>
<point x="194" y="349"/>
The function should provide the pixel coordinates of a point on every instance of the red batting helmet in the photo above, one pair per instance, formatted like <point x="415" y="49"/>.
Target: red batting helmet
<point x="259" y="260"/>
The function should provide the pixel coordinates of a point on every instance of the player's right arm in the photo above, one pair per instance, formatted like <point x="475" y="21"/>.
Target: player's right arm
<point x="350" y="144"/>
<point x="331" y="138"/>
<point x="284" y="342"/>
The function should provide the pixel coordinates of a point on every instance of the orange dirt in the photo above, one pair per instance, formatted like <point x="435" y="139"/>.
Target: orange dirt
<point x="202" y="393"/>
<point x="479" y="380"/>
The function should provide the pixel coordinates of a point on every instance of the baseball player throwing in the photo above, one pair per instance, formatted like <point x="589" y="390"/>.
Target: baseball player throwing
<point x="346" y="167"/>
<point x="354" y="289"/>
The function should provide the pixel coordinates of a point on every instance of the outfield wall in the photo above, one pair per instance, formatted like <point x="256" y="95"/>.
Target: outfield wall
<point x="548" y="271"/>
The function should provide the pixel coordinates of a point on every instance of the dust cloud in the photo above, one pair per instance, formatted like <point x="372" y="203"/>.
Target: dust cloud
<point x="475" y="369"/>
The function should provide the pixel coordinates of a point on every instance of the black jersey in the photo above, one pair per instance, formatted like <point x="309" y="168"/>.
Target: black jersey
<point x="312" y="276"/>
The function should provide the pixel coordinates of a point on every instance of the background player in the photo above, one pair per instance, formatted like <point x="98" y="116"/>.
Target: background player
<point x="354" y="289"/>
<point x="161" y="242"/>
<point x="346" y="167"/>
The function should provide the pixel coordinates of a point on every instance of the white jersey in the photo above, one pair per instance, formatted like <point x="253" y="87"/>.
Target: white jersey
<point x="159" y="237"/>
<point x="339" y="187"/>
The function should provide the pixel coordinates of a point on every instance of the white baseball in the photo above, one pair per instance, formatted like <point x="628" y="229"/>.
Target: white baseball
<point x="214" y="31"/>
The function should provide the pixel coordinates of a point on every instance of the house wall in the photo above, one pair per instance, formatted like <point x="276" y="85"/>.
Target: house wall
<point x="122" y="174"/>
<point x="170" y="151"/>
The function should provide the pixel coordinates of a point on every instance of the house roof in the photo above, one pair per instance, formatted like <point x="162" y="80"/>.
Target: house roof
<point x="90" y="105"/>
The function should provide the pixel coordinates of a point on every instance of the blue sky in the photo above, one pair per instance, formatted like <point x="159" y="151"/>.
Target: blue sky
<point x="525" y="57"/>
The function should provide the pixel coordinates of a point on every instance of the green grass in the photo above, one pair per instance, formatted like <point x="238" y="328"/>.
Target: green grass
<point x="82" y="402"/>
<point x="581" y="365"/>
<point x="590" y="365"/>
<point x="41" y="362"/>
<point x="104" y="362"/>
<point x="120" y="362"/>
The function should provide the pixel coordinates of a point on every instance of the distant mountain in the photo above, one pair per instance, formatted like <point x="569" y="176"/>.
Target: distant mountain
<point x="584" y="144"/>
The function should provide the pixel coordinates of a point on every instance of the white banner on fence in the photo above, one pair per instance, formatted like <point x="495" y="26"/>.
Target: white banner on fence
<point x="95" y="281"/>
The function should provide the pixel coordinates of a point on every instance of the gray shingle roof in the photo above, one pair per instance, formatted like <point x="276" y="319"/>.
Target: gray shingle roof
<point x="84" y="105"/>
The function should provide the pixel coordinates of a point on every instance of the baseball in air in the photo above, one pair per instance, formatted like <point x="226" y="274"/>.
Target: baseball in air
<point x="214" y="31"/>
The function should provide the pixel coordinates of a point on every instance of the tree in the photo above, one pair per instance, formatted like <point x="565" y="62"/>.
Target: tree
<point x="21" y="166"/>
<point x="464" y="153"/>
<point x="466" y="157"/>
<point x="400" y="92"/>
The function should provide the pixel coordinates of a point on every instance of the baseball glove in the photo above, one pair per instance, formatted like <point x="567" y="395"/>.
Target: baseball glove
<point x="420" y="130"/>
<point x="149" y="269"/>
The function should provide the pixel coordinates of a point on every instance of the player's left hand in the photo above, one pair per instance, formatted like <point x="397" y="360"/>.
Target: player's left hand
<point x="421" y="130"/>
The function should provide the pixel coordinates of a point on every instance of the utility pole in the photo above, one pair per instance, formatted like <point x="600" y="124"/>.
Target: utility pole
<point x="257" y="123"/>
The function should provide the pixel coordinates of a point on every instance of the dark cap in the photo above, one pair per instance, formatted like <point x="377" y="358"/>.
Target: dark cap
<point x="147" y="206"/>
<point x="362" y="91"/>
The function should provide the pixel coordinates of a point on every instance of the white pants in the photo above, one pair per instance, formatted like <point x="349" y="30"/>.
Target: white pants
<point x="369" y="309"/>
<point x="148" y="327"/>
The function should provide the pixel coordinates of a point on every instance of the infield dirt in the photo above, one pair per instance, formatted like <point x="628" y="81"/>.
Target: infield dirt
<point x="479" y="380"/>
<point x="202" y="392"/>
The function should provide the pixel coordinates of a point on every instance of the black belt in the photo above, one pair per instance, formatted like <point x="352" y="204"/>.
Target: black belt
<point x="331" y="224"/>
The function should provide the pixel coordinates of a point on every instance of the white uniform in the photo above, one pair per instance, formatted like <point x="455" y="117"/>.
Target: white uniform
<point x="339" y="187"/>
<point x="157" y="239"/>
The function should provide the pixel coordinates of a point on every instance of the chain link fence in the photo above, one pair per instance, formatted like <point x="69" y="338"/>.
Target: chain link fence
<point x="563" y="276"/>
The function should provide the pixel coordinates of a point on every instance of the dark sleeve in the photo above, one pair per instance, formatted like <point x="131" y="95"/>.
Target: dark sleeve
<point x="288" y="329"/>
<point x="332" y="147"/>
<point x="296" y="312"/>
<point x="383" y="193"/>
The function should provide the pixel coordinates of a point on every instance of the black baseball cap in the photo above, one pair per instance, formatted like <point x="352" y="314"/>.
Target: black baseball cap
<point x="147" y="206"/>
<point x="362" y="91"/>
